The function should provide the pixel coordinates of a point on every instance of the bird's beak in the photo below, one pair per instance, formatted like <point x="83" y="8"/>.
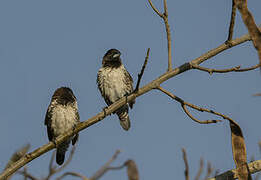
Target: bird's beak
<point x="116" y="55"/>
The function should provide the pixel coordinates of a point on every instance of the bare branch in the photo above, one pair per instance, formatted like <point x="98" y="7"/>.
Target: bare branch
<point x="72" y="174"/>
<point x="105" y="167"/>
<point x="142" y="70"/>
<point x="26" y="174"/>
<point x="186" y="172"/>
<point x="200" y="170"/>
<point x="155" y="9"/>
<point x="209" y="171"/>
<point x="183" y="104"/>
<point x="211" y="71"/>
<point x="53" y="168"/>
<point x="164" y="16"/>
<point x="232" y="22"/>
<point x="249" y="21"/>
<point x="197" y="120"/>
<point x="233" y="69"/>
<point x="254" y="167"/>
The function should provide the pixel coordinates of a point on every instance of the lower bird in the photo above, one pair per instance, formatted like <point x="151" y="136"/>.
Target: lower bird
<point x="115" y="82"/>
<point x="61" y="116"/>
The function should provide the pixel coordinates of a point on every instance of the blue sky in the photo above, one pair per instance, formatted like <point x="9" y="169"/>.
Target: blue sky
<point x="48" y="44"/>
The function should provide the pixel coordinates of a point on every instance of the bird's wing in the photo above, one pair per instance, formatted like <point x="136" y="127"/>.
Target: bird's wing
<point x="129" y="84"/>
<point x="101" y="88"/>
<point x="48" y="122"/>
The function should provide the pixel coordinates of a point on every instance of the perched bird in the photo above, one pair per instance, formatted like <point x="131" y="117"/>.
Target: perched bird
<point x="115" y="82"/>
<point x="61" y="116"/>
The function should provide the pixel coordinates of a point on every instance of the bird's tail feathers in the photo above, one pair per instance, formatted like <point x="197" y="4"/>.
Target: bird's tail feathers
<point x="60" y="153"/>
<point x="124" y="118"/>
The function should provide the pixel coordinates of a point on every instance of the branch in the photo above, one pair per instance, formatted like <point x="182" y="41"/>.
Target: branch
<point x="184" y="104"/>
<point x="27" y="175"/>
<point x="53" y="168"/>
<point x="232" y="22"/>
<point x="142" y="70"/>
<point x="112" y="108"/>
<point x="200" y="170"/>
<point x="249" y="21"/>
<point x="186" y="172"/>
<point x="72" y="174"/>
<point x="164" y="16"/>
<point x="132" y="170"/>
<point x="105" y="167"/>
<point x="209" y="171"/>
<point x="254" y="167"/>
<point x="233" y="69"/>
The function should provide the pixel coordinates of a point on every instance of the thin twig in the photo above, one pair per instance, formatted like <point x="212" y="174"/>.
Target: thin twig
<point x="197" y="120"/>
<point x="155" y="9"/>
<point x="27" y="175"/>
<point x="164" y="16"/>
<point x="196" y="107"/>
<point x="249" y="69"/>
<point x="105" y="167"/>
<point x="209" y="171"/>
<point x="184" y="104"/>
<point x="211" y="71"/>
<point x="142" y="70"/>
<point x="72" y="174"/>
<point x="233" y="69"/>
<point x="53" y="168"/>
<point x="232" y="22"/>
<point x="186" y="172"/>
<point x="200" y="170"/>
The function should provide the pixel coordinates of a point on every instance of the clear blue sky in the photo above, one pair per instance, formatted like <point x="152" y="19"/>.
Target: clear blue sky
<point x="48" y="44"/>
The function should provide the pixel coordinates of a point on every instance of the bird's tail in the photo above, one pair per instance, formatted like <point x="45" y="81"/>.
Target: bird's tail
<point x="60" y="153"/>
<point x="124" y="117"/>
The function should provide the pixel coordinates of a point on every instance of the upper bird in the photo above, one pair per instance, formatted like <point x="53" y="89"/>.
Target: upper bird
<point x="61" y="116"/>
<point x="115" y="82"/>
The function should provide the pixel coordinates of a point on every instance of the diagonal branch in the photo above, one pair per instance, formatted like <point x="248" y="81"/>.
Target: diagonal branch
<point x="142" y="70"/>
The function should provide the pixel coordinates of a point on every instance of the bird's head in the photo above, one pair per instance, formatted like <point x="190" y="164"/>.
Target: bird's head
<point x="64" y="95"/>
<point x="112" y="58"/>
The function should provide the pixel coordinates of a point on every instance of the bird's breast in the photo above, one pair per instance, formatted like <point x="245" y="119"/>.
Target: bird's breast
<point x="114" y="83"/>
<point x="64" y="118"/>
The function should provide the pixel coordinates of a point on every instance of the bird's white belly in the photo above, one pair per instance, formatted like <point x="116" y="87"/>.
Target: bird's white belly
<point x="63" y="119"/>
<point x="114" y="86"/>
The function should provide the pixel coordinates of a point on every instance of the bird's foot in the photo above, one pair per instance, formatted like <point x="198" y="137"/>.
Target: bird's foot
<point x="55" y="142"/>
<point x="104" y="111"/>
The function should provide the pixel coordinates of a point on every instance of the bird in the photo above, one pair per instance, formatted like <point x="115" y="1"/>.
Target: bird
<point x="61" y="116"/>
<point x="115" y="82"/>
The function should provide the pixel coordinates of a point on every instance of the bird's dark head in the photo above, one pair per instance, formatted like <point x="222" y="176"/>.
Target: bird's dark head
<point x="112" y="58"/>
<point x="64" y="95"/>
